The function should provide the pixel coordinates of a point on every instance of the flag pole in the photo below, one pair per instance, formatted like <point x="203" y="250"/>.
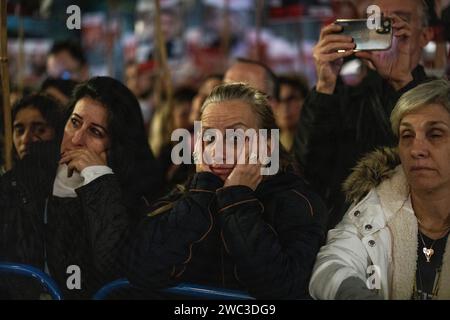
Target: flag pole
<point x="4" y="74"/>
<point x="225" y="36"/>
<point x="165" y="78"/>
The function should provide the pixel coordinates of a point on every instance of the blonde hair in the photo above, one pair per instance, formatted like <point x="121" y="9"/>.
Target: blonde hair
<point x="243" y="92"/>
<point x="259" y="104"/>
<point x="433" y="92"/>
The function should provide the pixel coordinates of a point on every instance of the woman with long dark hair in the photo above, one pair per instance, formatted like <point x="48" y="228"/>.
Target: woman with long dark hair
<point x="74" y="225"/>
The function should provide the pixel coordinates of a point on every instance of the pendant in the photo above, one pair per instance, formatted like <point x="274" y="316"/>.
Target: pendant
<point x="428" y="253"/>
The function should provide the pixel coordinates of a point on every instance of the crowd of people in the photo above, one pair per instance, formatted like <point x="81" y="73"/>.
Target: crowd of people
<point x="358" y="209"/>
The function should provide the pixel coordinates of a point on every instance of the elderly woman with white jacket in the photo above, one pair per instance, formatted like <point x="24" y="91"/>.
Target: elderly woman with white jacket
<point x="393" y="242"/>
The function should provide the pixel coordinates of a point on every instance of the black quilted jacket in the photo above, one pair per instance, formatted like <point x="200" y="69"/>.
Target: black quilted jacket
<point x="264" y="242"/>
<point x="88" y="231"/>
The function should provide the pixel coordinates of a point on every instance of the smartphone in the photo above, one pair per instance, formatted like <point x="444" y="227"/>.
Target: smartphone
<point x="367" y="39"/>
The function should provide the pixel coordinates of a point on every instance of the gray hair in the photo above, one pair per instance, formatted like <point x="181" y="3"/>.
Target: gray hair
<point x="433" y="92"/>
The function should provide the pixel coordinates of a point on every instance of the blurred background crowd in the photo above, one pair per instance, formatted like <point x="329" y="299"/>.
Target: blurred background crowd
<point x="201" y="39"/>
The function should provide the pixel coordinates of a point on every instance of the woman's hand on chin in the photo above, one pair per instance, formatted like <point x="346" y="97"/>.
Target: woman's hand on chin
<point x="80" y="159"/>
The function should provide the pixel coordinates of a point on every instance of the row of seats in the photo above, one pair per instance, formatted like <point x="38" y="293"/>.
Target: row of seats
<point x="182" y="289"/>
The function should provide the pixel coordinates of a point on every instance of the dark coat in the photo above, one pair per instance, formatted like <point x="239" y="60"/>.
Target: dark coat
<point x="264" y="241"/>
<point x="336" y="130"/>
<point x="88" y="231"/>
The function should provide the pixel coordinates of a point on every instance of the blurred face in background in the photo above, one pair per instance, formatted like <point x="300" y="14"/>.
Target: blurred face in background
<point x="251" y="74"/>
<point x="410" y="11"/>
<point x="30" y="126"/>
<point x="131" y="78"/>
<point x="344" y="9"/>
<point x="288" y="109"/>
<point x="144" y="86"/>
<point x="361" y="7"/>
<point x="169" y="25"/>
<point x="201" y="96"/>
<point x="180" y="115"/>
<point x="63" y="65"/>
<point x="255" y="76"/>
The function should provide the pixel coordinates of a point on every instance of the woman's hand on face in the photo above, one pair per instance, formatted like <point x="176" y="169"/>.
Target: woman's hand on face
<point x="200" y="165"/>
<point x="244" y="173"/>
<point x="80" y="159"/>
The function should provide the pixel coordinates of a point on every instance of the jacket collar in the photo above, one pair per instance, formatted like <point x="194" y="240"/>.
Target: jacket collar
<point x="280" y="182"/>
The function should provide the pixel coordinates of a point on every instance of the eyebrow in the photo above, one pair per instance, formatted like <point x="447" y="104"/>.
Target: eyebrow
<point x="430" y="123"/>
<point x="403" y="14"/>
<point x="33" y="123"/>
<point x="234" y="125"/>
<point x="237" y="124"/>
<point x="93" y="123"/>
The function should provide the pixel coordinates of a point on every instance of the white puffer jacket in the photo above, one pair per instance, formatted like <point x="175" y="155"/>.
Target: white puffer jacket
<point x="380" y="230"/>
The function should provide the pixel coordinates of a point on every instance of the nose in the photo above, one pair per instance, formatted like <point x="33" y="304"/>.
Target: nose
<point x="419" y="148"/>
<point x="218" y="152"/>
<point x="78" y="138"/>
<point x="30" y="136"/>
<point x="27" y="137"/>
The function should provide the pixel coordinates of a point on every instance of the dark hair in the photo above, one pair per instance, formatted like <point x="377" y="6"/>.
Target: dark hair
<point x="49" y="108"/>
<point x="72" y="47"/>
<point x="183" y="94"/>
<point x="129" y="155"/>
<point x="295" y="82"/>
<point x="65" y="86"/>
<point x="271" y="76"/>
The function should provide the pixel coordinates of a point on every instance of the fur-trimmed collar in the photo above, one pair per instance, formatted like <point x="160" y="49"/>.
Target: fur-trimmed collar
<point x="370" y="171"/>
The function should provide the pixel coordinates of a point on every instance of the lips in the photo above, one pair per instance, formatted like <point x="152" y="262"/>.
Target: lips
<point x="221" y="170"/>
<point x="418" y="168"/>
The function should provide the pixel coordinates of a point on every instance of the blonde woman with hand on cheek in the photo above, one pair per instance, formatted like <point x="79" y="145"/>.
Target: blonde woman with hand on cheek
<point x="230" y="226"/>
